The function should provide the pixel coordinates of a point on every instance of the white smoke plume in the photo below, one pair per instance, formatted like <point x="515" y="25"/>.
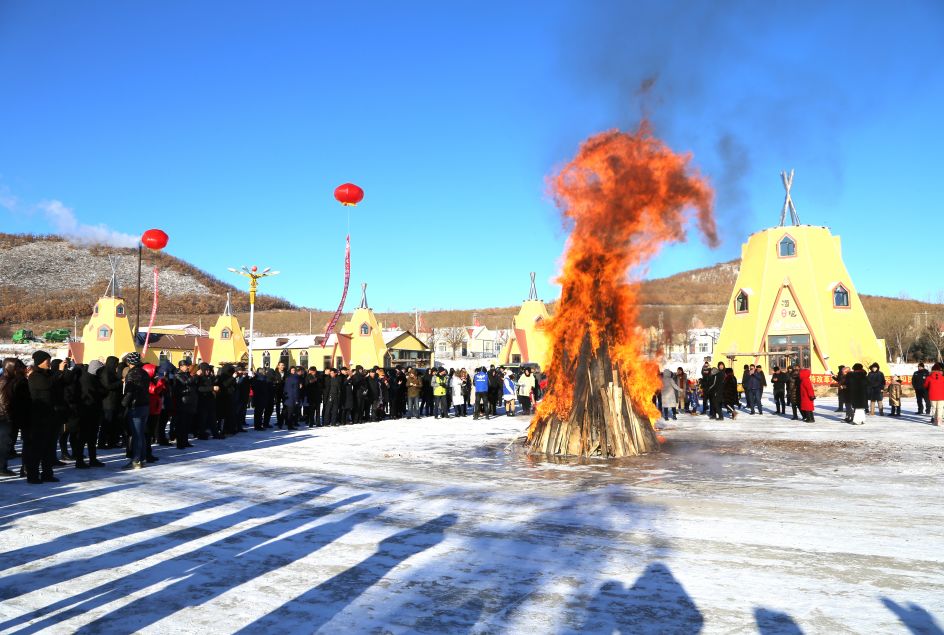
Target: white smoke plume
<point x="65" y="223"/>
<point x="63" y="219"/>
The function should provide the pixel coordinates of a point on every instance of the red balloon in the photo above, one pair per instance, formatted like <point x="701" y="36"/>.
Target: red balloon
<point x="348" y="194"/>
<point x="154" y="239"/>
<point x="255" y="268"/>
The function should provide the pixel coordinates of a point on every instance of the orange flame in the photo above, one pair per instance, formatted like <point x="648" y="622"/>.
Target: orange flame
<point x="626" y="195"/>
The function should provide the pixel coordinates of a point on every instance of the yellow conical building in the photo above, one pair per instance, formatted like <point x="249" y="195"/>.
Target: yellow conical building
<point x="229" y="345"/>
<point x="794" y="303"/>
<point x="107" y="332"/>
<point x="366" y="336"/>
<point x="528" y="343"/>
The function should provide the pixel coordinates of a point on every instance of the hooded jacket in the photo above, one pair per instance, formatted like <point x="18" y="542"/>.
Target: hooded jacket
<point x="935" y="386"/>
<point x="670" y="390"/>
<point x="806" y="391"/>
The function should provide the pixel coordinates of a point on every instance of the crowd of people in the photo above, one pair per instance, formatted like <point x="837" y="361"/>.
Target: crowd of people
<point x="65" y="411"/>
<point x="860" y="392"/>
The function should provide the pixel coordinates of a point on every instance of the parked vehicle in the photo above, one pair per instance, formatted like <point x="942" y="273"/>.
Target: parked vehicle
<point x="22" y="336"/>
<point x="57" y="335"/>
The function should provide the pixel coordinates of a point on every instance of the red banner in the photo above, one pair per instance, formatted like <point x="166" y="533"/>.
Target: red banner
<point x="827" y="380"/>
<point x="347" y="281"/>
<point x="147" y="337"/>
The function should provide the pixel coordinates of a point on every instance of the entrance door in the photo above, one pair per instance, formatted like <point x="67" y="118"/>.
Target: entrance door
<point x="789" y="350"/>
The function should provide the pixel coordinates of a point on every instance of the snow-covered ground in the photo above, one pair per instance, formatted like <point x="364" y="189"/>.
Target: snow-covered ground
<point x="762" y="524"/>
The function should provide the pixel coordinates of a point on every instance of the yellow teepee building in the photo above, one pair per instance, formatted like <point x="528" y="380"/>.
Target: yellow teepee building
<point x="368" y="348"/>
<point x="528" y="343"/>
<point x="794" y="303"/>
<point x="229" y="345"/>
<point x="107" y="332"/>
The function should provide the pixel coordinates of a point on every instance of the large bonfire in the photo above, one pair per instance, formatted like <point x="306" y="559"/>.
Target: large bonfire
<point x="626" y="195"/>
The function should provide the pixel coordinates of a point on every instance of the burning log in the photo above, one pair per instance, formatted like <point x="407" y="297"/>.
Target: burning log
<point x="626" y="195"/>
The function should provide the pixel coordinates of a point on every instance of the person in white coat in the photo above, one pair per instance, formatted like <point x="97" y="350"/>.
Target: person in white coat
<point x="670" y="391"/>
<point x="457" y="399"/>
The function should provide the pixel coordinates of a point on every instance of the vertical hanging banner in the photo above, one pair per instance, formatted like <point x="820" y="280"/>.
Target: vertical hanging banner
<point x="347" y="281"/>
<point x="147" y="337"/>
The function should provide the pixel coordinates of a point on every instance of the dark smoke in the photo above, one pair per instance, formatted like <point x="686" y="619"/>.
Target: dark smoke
<point x="741" y="81"/>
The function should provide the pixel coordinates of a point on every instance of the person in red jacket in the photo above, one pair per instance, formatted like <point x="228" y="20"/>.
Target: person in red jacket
<point x="155" y="404"/>
<point x="806" y="395"/>
<point x="934" y="385"/>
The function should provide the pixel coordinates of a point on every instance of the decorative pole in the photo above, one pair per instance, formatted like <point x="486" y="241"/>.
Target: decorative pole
<point x="253" y="285"/>
<point x="137" y="310"/>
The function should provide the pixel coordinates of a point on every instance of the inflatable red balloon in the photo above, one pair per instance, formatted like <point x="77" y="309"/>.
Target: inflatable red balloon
<point x="349" y="194"/>
<point x="154" y="239"/>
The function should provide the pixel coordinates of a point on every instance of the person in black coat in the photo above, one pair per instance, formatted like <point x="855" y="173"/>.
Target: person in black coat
<point x="704" y="383"/>
<point x="277" y="378"/>
<point x="67" y="397"/>
<point x="111" y="429"/>
<point x="349" y="382"/>
<point x="332" y="398"/>
<point x="39" y="441"/>
<point x="716" y="393"/>
<point x="921" y="393"/>
<point x="314" y="389"/>
<point x="291" y="395"/>
<point x="206" y="403"/>
<point x="243" y="385"/>
<point x="91" y="395"/>
<point x="793" y="390"/>
<point x="137" y="402"/>
<point x="226" y="399"/>
<point x="261" y="400"/>
<point x="876" y="379"/>
<point x="729" y="393"/>
<point x="857" y="385"/>
<point x="186" y="398"/>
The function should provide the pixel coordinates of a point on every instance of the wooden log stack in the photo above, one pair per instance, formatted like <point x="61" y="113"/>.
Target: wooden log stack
<point x="601" y="421"/>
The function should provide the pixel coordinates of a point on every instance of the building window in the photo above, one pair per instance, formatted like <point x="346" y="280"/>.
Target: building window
<point x="104" y="333"/>
<point x="266" y="359"/>
<point x="285" y="358"/>
<point x="327" y="362"/>
<point x="225" y="333"/>
<point x="740" y="302"/>
<point x="365" y="329"/>
<point x="441" y="347"/>
<point x="703" y="347"/>
<point x="120" y="310"/>
<point x="303" y="359"/>
<point x="163" y="357"/>
<point x="516" y="359"/>
<point x="787" y="247"/>
<point x="840" y="297"/>
<point x="95" y="310"/>
<point x="338" y="361"/>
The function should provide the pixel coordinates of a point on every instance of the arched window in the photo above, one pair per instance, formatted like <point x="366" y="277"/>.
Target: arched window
<point x="95" y="310"/>
<point x="266" y="359"/>
<point x="225" y="334"/>
<point x="365" y="329"/>
<point x="163" y="357"/>
<point x="840" y="297"/>
<point x="740" y="302"/>
<point x="285" y="358"/>
<point x="120" y="310"/>
<point x="787" y="247"/>
<point x="104" y="333"/>
<point x="303" y="359"/>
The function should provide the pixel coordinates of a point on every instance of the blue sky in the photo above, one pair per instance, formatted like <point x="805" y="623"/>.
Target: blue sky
<point x="229" y="125"/>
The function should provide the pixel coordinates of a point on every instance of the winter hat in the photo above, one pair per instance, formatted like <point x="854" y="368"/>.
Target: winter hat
<point x="133" y="359"/>
<point x="40" y="356"/>
<point x="95" y="366"/>
<point x="857" y="366"/>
